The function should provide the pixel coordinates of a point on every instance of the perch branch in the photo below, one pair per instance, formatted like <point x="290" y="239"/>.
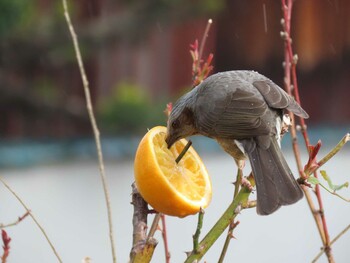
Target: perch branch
<point x="143" y="246"/>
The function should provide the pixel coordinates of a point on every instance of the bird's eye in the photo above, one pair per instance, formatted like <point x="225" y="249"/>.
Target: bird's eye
<point x="175" y="124"/>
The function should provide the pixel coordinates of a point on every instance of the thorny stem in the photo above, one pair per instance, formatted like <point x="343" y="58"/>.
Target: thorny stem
<point x="93" y="124"/>
<point x="232" y="225"/>
<point x="290" y="68"/>
<point x="34" y="219"/>
<point x="198" y="231"/>
<point x="238" y="181"/>
<point x="220" y="226"/>
<point x="165" y="239"/>
<point x="184" y="150"/>
<point x="229" y="236"/>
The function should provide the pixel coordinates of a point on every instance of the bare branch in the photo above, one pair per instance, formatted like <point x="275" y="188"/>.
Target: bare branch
<point x="20" y="218"/>
<point x="94" y="125"/>
<point x="332" y="242"/>
<point x="33" y="217"/>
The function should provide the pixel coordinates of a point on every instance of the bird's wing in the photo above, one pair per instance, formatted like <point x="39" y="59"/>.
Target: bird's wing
<point x="278" y="98"/>
<point x="234" y="110"/>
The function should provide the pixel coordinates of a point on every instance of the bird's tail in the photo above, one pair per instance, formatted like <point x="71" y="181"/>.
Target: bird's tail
<point x="275" y="184"/>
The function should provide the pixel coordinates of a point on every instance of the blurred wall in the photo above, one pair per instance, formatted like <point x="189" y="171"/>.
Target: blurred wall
<point x="137" y="57"/>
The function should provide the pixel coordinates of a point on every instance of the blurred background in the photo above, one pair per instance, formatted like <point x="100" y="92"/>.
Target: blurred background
<point x="136" y="54"/>
<point x="137" y="59"/>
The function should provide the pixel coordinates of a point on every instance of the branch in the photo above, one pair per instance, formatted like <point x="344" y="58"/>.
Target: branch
<point x="33" y="217"/>
<point x="93" y="123"/>
<point x="332" y="242"/>
<point x="291" y="76"/>
<point x="229" y="235"/>
<point x="198" y="230"/>
<point x="165" y="239"/>
<point x="335" y="150"/>
<point x="20" y="218"/>
<point x="224" y="221"/>
<point x="143" y="246"/>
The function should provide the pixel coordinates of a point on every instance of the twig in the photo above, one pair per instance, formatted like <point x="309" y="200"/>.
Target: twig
<point x="199" y="71"/>
<point x="154" y="226"/>
<point x="94" y="125"/>
<point x="232" y="226"/>
<point x="332" y="242"/>
<point x="198" y="231"/>
<point x="229" y="236"/>
<point x="290" y="74"/>
<point x="184" y="150"/>
<point x="139" y="219"/>
<point x="203" y="42"/>
<point x="143" y="247"/>
<point x="20" y="218"/>
<point x="335" y="150"/>
<point x="165" y="239"/>
<point x="220" y="226"/>
<point x="33" y="217"/>
<point x="334" y="193"/>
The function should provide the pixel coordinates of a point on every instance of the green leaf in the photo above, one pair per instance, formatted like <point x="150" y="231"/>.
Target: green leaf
<point x="330" y="184"/>
<point x="313" y="180"/>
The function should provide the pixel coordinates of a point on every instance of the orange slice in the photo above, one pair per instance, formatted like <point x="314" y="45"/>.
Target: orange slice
<point x="170" y="188"/>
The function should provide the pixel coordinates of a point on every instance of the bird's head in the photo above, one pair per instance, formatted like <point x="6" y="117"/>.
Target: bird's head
<point x="180" y="123"/>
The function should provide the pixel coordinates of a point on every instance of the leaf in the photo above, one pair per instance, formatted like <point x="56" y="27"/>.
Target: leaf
<point x="330" y="184"/>
<point x="313" y="180"/>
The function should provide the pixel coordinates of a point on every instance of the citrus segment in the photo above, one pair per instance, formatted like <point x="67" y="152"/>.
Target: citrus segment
<point x="170" y="188"/>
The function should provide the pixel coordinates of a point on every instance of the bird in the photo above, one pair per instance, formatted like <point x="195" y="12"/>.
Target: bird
<point x="243" y="111"/>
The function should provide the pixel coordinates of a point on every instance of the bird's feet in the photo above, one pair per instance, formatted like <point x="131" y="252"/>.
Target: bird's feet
<point x="245" y="183"/>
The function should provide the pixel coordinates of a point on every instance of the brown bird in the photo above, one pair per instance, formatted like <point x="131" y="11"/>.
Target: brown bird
<point x="243" y="111"/>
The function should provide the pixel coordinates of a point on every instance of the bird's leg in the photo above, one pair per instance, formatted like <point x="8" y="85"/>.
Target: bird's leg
<point x="240" y="166"/>
<point x="245" y="182"/>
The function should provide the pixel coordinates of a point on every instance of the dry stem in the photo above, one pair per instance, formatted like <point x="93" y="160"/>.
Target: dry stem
<point x="165" y="239"/>
<point x="143" y="246"/>
<point x="15" y="223"/>
<point x="33" y="217"/>
<point x="290" y="74"/>
<point x="332" y="242"/>
<point x="93" y="123"/>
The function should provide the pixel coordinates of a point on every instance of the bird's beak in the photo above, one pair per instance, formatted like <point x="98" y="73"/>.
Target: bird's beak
<point x="170" y="140"/>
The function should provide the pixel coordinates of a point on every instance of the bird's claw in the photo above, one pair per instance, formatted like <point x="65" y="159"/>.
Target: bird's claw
<point x="246" y="183"/>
